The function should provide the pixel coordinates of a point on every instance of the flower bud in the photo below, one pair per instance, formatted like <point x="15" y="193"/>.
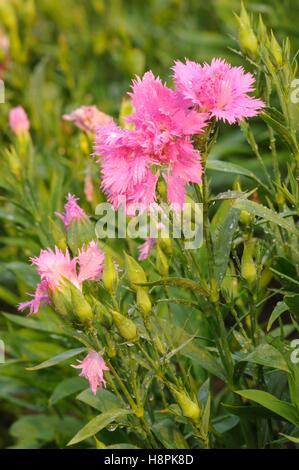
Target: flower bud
<point x="110" y="347"/>
<point x="247" y="38"/>
<point x="166" y="245"/>
<point x="144" y="301"/>
<point x="162" y="262"/>
<point x="135" y="272"/>
<point x="61" y="300"/>
<point x="248" y="269"/>
<point x="81" y="308"/>
<point x="276" y="51"/>
<point x="189" y="408"/>
<point x="19" y="122"/>
<point x="126" y="328"/>
<point x="245" y="218"/>
<point x="110" y="275"/>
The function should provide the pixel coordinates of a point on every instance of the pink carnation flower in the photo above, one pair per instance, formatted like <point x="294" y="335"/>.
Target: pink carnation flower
<point x="91" y="260"/>
<point x="93" y="368"/>
<point x="160" y="144"/>
<point x="72" y="211"/>
<point x="18" y="121"/>
<point x="88" y="118"/>
<point x="55" y="266"/>
<point x="217" y="88"/>
<point x="146" y="248"/>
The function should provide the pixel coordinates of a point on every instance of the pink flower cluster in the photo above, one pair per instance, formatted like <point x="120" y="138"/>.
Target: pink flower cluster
<point x="165" y="121"/>
<point x="159" y="145"/>
<point x="54" y="266"/>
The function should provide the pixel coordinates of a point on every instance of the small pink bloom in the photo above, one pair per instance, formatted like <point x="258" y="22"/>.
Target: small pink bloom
<point x="40" y="296"/>
<point x="91" y="261"/>
<point x="72" y="211"/>
<point x="146" y="248"/>
<point x="88" y="188"/>
<point x="88" y="118"/>
<point x="217" y="88"/>
<point x="18" y="121"/>
<point x="54" y="266"/>
<point x="93" y="368"/>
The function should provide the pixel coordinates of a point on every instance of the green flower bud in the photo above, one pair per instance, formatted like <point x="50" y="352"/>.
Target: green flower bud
<point x="248" y="269"/>
<point x="135" y="272"/>
<point x="81" y="308"/>
<point x="144" y="301"/>
<point x="110" y="276"/>
<point x="126" y="328"/>
<point x="247" y="38"/>
<point x="110" y="348"/>
<point x="61" y="300"/>
<point x="276" y="51"/>
<point x="162" y="262"/>
<point x="189" y="408"/>
<point x="166" y="245"/>
<point x="245" y="218"/>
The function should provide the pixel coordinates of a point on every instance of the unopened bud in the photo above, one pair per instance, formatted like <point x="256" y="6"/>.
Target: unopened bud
<point x="110" y="276"/>
<point x="189" y="408"/>
<point x="166" y="245"/>
<point x="245" y="218"/>
<point x="248" y="269"/>
<point x="276" y="51"/>
<point x="126" y="328"/>
<point x="81" y="308"/>
<point x="162" y="262"/>
<point x="247" y="38"/>
<point x="135" y="272"/>
<point x="144" y="301"/>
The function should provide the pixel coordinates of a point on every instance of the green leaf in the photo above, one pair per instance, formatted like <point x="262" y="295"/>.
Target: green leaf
<point x="290" y="438"/>
<point x="121" y="446"/>
<point x="227" y="167"/>
<point x="265" y="213"/>
<point x="279" y="309"/>
<point x="222" y="244"/>
<point x="169" y="435"/>
<point x="285" y="410"/>
<point x="281" y="130"/>
<point x="267" y="355"/>
<point x="292" y="302"/>
<point x="104" y="400"/>
<point x="65" y="388"/>
<point x="206" y="416"/>
<point x="191" y="350"/>
<point x="176" y="282"/>
<point x="57" y="359"/>
<point x="97" y="424"/>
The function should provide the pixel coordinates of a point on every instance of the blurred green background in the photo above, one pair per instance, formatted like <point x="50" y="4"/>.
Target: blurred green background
<point x="68" y="53"/>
